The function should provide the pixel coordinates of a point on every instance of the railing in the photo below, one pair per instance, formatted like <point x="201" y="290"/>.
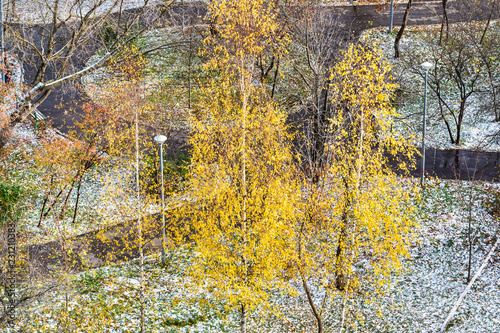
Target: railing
<point x="36" y="116"/>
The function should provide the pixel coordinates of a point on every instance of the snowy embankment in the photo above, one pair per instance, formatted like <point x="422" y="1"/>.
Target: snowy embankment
<point x="421" y="299"/>
<point x="479" y="129"/>
<point x="41" y="11"/>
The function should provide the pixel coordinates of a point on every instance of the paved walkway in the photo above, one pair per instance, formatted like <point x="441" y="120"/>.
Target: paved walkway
<point x="97" y="248"/>
<point x="63" y="107"/>
<point x="459" y="164"/>
<point x="120" y="242"/>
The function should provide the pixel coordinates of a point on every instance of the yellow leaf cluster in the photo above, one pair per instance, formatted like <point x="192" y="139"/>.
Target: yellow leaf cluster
<point x="243" y="193"/>
<point x="360" y="211"/>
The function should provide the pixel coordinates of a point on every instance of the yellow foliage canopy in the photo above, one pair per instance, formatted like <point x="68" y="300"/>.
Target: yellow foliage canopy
<point x="245" y="198"/>
<point x="360" y="210"/>
<point x="242" y="188"/>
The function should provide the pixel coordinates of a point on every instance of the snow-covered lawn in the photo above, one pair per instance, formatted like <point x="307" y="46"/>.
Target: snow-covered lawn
<point x="417" y="300"/>
<point x="479" y="130"/>
<point x="39" y="11"/>
<point x="420" y="299"/>
<point x="106" y="198"/>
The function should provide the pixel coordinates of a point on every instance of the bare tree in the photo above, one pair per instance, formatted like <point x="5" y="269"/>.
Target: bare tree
<point x="402" y="29"/>
<point x="444" y="22"/>
<point x="456" y="60"/>
<point x="66" y="32"/>
<point x="464" y="68"/>
<point x="322" y="38"/>
<point x="487" y="48"/>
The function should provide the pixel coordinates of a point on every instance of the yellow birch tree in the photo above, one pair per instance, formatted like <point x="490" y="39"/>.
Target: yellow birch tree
<point x="243" y="194"/>
<point x="360" y="212"/>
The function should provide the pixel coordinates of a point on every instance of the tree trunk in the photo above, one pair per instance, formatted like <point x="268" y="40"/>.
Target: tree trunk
<point x="275" y="79"/>
<point x="469" y="236"/>
<point x="342" y="317"/>
<point x="487" y="22"/>
<point x="313" y="307"/>
<point x="243" y="320"/>
<point x="46" y="199"/>
<point x="444" y="22"/>
<point x="340" y="279"/>
<point x="190" y="67"/>
<point x="460" y="120"/>
<point x="139" y="222"/>
<point x="320" y="122"/>
<point x="21" y="113"/>
<point x="77" y="199"/>
<point x="402" y="29"/>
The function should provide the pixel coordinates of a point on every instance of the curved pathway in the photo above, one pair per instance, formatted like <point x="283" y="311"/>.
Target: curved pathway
<point x="63" y="106"/>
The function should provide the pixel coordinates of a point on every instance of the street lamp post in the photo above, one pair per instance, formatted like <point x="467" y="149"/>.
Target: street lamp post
<point x="425" y="66"/>
<point x="161" y="139"/>
<point x="391" y="16"/>
<point x="2" y="41"/>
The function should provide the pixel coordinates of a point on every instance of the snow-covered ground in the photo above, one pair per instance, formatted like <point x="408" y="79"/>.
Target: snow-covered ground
<point x="479" y="130"/>
<point x="420" y="299"/>
<point x="39" y="11"/>
<point x="16" y="80"/>
<point x="417" y="300"/>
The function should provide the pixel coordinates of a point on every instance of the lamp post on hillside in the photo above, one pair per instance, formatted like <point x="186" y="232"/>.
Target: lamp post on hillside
<point x="2" y="42"/>
<point x="425" y="66"/>
<point x="391" y="16"/>
<point x="161" y="139"/>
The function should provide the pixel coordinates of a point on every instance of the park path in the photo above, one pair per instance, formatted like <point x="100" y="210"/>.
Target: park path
<point x="460" y="164"/>
<point x="97" y="248"/>
<point x="113" y="244"/>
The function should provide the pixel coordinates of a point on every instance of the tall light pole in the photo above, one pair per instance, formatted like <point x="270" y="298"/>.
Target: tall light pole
<point x="391" y="16"/>
<point x="425" y="66"/>
<point x="2" y="40"/>
<point x="161" y="139"/>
